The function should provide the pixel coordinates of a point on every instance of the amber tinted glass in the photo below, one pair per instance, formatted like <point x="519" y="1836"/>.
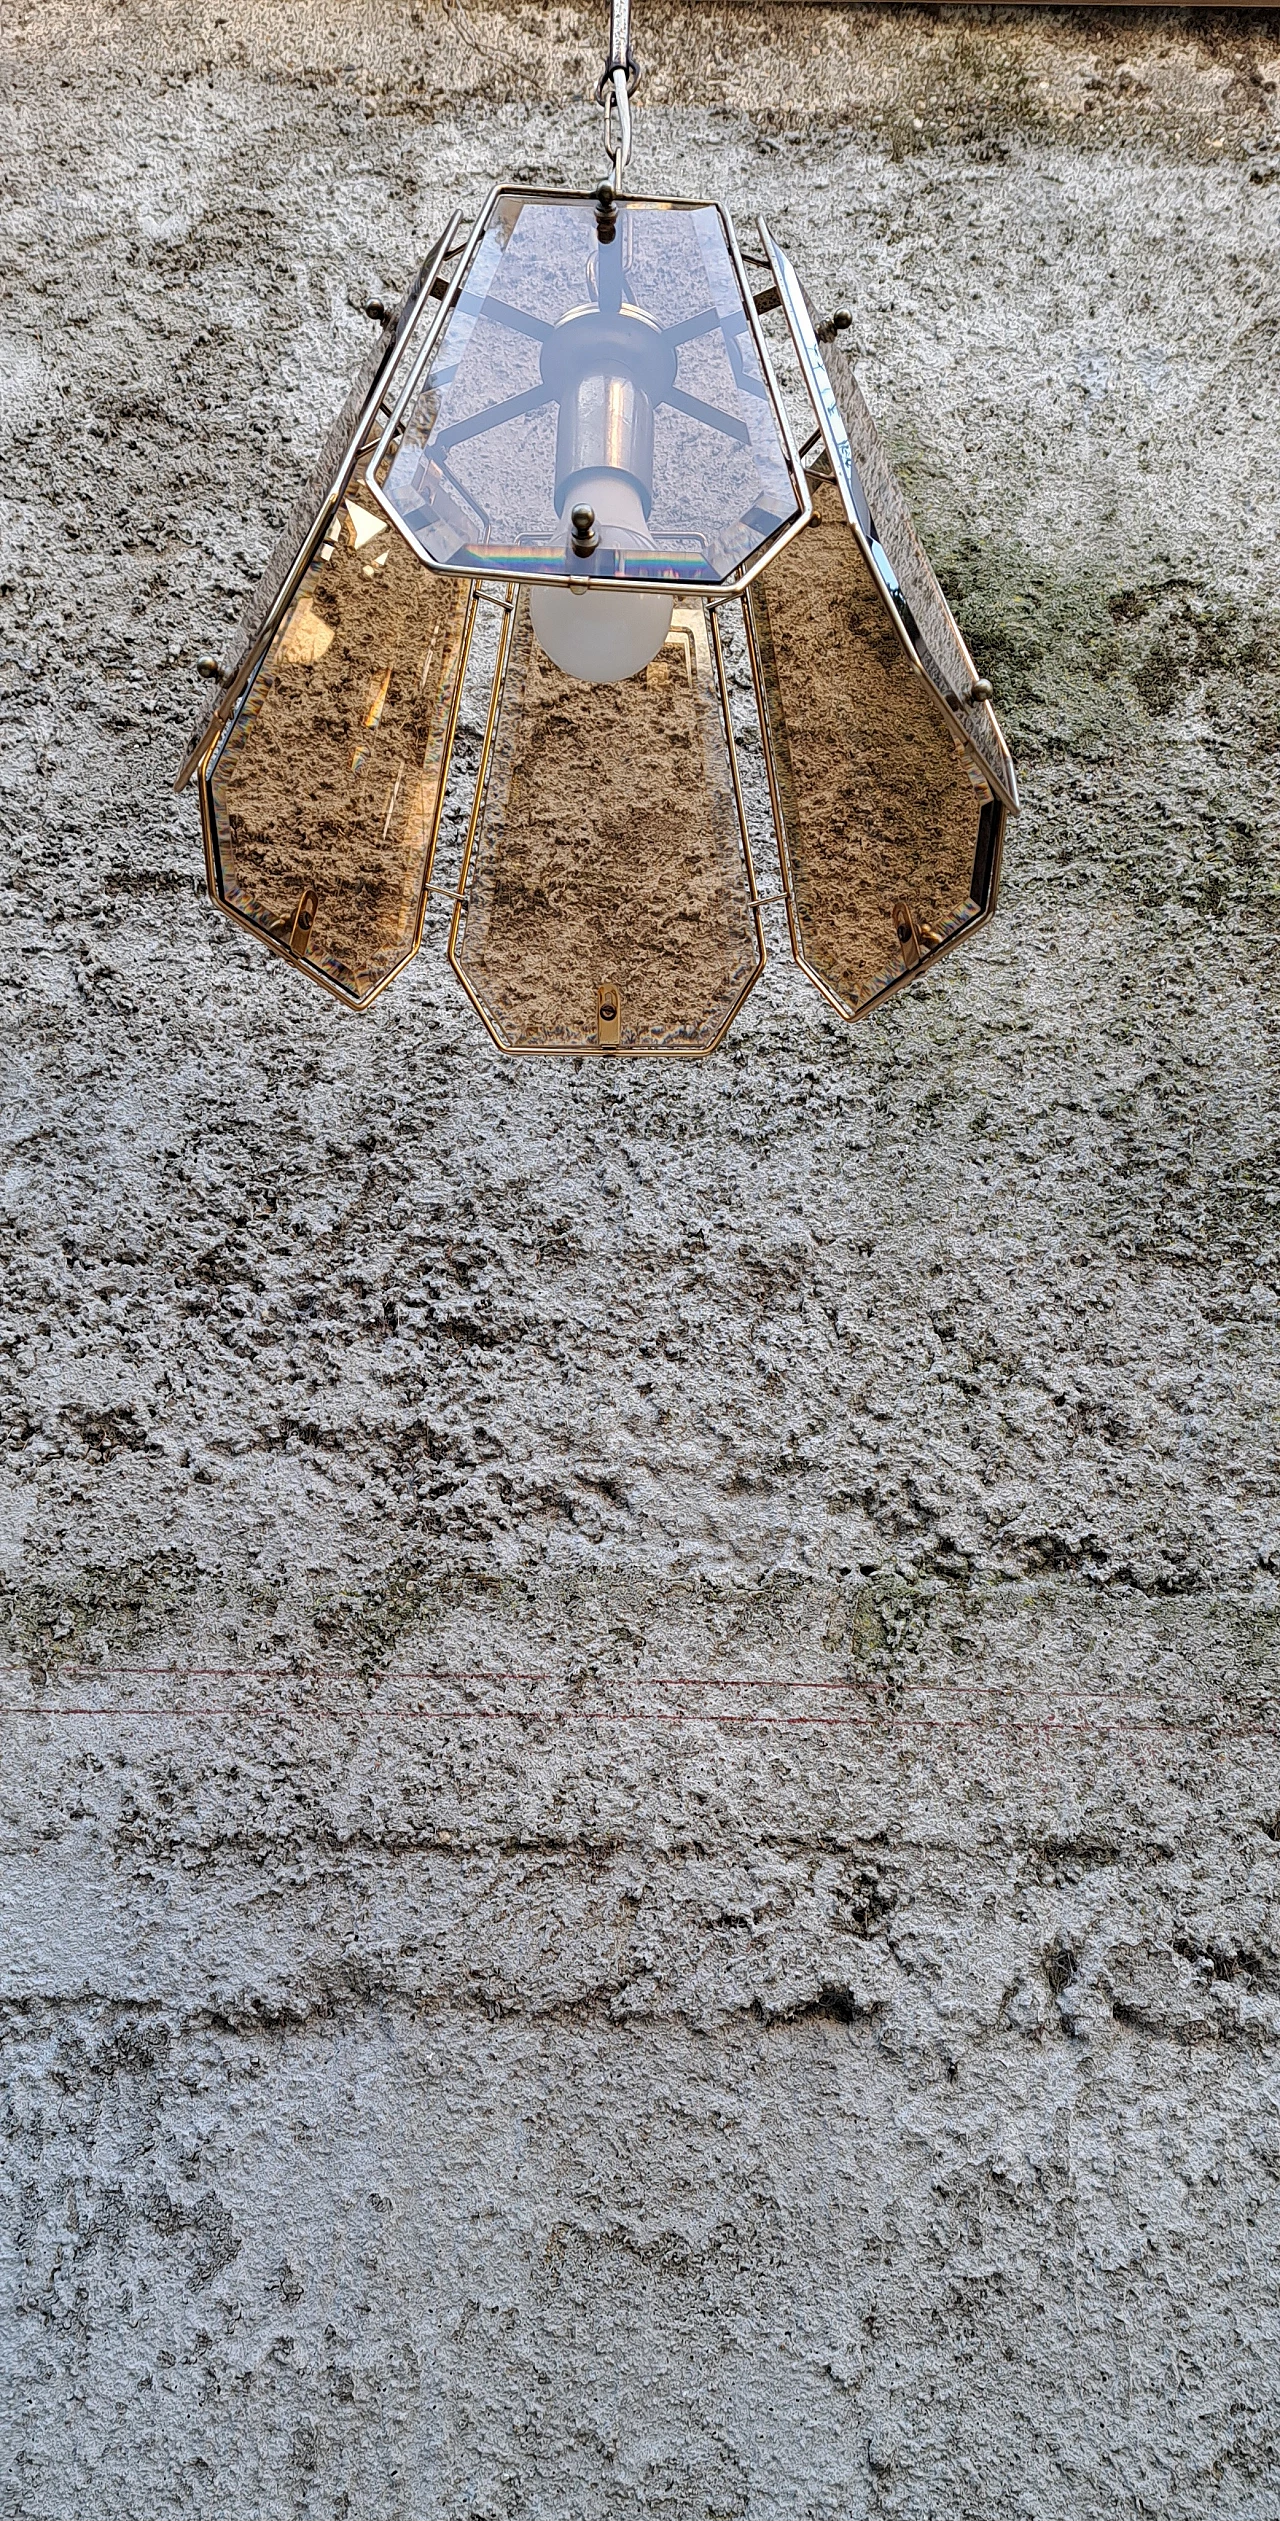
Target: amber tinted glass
<point x="907" y="568"/>
<point x="880" y="815"/>
<point x="608" y="891"/>
<point x="355" y="429"/>
<point x="324" y="799"/>
<point x="875" y="498"/>
<point x="565" y="356"/>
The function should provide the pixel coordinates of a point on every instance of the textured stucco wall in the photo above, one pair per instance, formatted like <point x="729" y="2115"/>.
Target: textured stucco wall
<point x="643" y="1837"/>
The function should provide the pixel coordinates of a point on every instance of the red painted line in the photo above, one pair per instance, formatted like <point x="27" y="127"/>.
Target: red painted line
<point x="452" y="1679"/>
<point x="889" y="1721"/>
<point x="274" y="1672"/>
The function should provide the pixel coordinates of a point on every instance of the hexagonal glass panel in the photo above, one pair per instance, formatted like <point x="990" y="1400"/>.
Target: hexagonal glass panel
<point x="888" y="832"/>
<point x="322" y="803"/>
<point x="874" y="503"/>
<point x="613" y="365"/>
<point x="355" y="432"/>
<point x="608" y="893"/>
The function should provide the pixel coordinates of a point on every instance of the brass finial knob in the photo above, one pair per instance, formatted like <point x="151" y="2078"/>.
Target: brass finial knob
<point x="585" y="538"/>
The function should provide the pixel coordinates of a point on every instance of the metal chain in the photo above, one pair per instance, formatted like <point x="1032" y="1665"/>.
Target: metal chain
<point x="615" y="88"/>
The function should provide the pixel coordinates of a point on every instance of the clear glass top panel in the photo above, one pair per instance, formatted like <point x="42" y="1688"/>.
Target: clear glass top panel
<point x="623" y="375"/>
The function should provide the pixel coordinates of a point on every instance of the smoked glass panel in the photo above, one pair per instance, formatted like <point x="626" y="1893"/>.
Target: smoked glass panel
<point x="357" y="427"/>
<point x="625" y="372"/>
<point x="872" y="494"/>
<point x="324" y="799"/>
<point x="608" y="891"/>
<point x="881" y="815"/>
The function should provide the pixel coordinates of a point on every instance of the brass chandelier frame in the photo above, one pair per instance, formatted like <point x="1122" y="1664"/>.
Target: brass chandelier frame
<point x="921" y="659"/>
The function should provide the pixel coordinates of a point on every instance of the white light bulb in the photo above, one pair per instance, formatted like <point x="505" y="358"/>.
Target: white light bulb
<point x="594" y="632"/>
<point x="596" y="636"/>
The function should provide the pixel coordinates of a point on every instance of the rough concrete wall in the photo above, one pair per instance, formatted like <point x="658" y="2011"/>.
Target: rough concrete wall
<point x="644" y="1823"/>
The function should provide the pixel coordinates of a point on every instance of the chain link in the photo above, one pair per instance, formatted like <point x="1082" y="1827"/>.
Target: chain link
<point x="615" y="87"/>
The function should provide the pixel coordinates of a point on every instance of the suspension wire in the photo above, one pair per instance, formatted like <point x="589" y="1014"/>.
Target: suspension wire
<point x="615" y="88"/>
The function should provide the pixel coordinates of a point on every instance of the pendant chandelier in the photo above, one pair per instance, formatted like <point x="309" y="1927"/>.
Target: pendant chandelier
<point x="573" y="422"/>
